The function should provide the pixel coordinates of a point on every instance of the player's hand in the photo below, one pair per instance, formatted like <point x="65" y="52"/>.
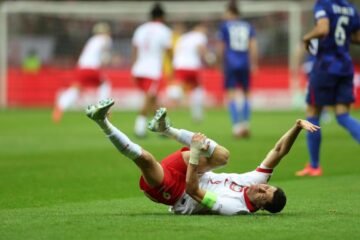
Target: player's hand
<point x="199" y="142"/>
<point x="307" y="45"/>
<point x="307" y="125"/>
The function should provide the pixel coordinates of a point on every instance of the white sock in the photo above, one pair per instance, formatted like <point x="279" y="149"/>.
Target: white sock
<point x="104" y="91"/>
<point x="68" y="98"/>
<point x="120" y="140"/>
<point x="196" y="103"/>
<point x="264" y="167"/>
<point x="140" y="125"/>
<point x="184" y="136"/>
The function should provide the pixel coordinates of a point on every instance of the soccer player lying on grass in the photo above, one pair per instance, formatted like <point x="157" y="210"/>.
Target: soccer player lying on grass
<point x="183" y="179"/>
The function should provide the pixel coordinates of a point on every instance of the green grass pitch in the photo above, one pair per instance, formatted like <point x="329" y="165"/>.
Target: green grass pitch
<point x="67" y="181"/>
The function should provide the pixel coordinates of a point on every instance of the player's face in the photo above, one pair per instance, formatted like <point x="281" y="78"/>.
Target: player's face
<point x="262" y="193"/>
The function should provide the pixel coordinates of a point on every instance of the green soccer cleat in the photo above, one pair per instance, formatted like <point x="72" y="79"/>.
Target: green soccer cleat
<point x="160" y="123"/>
<point x="100" y="110"/>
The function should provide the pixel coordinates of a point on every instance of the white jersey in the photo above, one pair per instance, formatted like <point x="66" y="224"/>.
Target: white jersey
<point x="186" y="55"/>
<point x="94" y="51"/>
<point x="230" y="189"/>
<point x="151" y="40"/>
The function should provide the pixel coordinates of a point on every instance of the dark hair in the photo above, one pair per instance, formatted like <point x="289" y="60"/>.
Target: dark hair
<point x="157" y="11"/>
<point x="277" y="203"/>
<point x="232" y="7"/>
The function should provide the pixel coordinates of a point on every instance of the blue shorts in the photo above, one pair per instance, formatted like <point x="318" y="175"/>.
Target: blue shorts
<point x="237" y="78"/>
<point x="327" y="89"/>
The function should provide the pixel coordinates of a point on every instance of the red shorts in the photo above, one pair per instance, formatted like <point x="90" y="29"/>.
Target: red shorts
<point x="188" y="77"/>
<point x="173" y="185"/>
<point x="88" y="77"/>
<point x="148" y="85"/>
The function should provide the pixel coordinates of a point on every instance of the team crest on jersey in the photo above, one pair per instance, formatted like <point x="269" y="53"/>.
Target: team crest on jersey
<point x="166" y="195"/>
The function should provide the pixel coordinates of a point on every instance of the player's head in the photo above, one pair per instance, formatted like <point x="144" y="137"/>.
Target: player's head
<point x="198" y="26"/>
<point x="101" y="28"/>
<point x="267" y="197"/>
<point x="157" y="12"/>
<point x="232" y="9"/>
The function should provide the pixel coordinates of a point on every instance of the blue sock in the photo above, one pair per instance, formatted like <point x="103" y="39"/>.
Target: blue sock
<point x="350" y="124"/>
<point x="233" y="112"/>
<point x="246" y="110"/>
<point x="313" y="143"/>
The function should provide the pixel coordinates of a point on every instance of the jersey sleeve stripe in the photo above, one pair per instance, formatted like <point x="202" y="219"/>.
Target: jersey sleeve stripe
<point x="320" y="14"/>
<point x="263" y="170"/>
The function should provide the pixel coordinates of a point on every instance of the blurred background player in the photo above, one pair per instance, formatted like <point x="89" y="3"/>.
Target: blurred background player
<point x="94" y="56"/>
<point x="190" y="50"/>
<point x="150" y="41"/>
<point x="238" y="51"/>
<point x="331" y="80"/>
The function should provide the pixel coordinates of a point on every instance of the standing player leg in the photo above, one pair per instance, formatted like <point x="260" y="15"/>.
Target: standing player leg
<point x="313" y="144"/>
<point x="104" y="90"/>
<point x="151" y="170"/>
<point x="64" y="101"/>
<point x="351" y="124"/>
<point x="345" y="96"/>
<point x="233" y="108"/>
<point x="150" y="89"/>
<point x="320" y="91"/>
<point x="245" y="110"/>
<point x="197" y="103"/>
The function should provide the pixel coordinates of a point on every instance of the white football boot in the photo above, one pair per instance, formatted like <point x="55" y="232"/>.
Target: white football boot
<point x="99" y="111"/>
<point x="160" y="122"/>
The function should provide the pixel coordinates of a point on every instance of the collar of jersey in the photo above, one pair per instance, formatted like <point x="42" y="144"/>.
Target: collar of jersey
<point x="248" y="203"/>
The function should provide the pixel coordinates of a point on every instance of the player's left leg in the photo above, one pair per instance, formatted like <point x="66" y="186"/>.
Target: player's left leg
<point x="151" y="170"/>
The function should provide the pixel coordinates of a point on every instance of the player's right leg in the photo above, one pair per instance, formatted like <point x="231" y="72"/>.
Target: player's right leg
<point x="151" y="170"/>
<point x="215" y="156"/>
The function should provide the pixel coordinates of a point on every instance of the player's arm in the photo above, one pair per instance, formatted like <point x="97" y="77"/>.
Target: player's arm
<point x="253" y="53"/>
<point x="355" y="37"/>
<point x="192" y="178"/>
<point x="106" y="53"/>
<point x="134" y="53"/>
<point x="202" y="50"/>
<point x="321" y="29"/>
<point x="285" y="143"/>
